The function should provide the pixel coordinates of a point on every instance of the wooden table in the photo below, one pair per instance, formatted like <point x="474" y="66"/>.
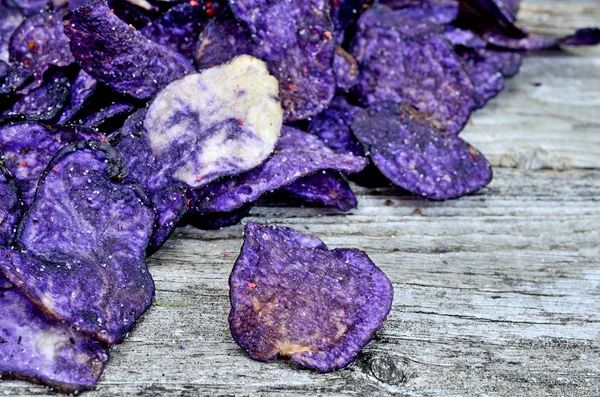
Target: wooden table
<point x="496" y="294"/>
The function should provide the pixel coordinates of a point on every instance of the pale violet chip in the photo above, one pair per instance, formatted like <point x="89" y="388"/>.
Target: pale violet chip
<point x="224" y="120"/>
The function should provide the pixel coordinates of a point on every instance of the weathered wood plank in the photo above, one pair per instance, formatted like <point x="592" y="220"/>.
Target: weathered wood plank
<point x="495" y="294"/>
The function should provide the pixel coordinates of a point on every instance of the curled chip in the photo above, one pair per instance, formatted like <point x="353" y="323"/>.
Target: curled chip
<point x="291" y="296"/>
<point x="345" y="69"/>
<point x="114" y="110"/>
<point x="297" y="154"/>
<point x="536" y="42"/>
<point x="295" y="39"/>
<point x="10" y="208"/>
<point x="167" y="197"/>
<point x="178" y="28"/>
<point x="10" y="19"/>
<point x="119" y="56"/>
<point x="487" y="69"/>
<point x="222" y="121"/>
<point x="81" y="89"/>
<point x="418" y="157"/>
<point x="36" y="347"/>
<point x="326" y="188"/>
<point x="222" y="39"/>
<point x="332" y="126"/>
<point x="414" y="66"/>
<point x="38" y="43"/>
<point x="436" y="11"/>
<point x="86" y="237"/>
<point x="45" y="101"/>
<point x="27" y="147"/>
<point x="216" y="220"/>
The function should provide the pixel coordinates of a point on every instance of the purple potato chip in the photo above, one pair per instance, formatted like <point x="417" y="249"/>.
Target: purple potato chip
<point x="119" y="56"/>
<point x="332" y="126"/>
<point x="420" y="69"/>
<point x="10" y="19"/>
<point x="315" y="306"/>
<point x="81" y="89"/>
<point x="27" y="148"/>
<point x="297" y="154"/>
<point x="437" y="11"/>
<point x="4" y="283"/>
<point x="216" y="220"/>
<point x="222" y="121"/>
<point x="38" y="43"/>
<point x="87" y="236"/>
<point x="4" y="70"/>
<point x="344" y="13"/>
<point x="487" y="69"/>
<point x="31" y="7"/>
<point x="222" y="39"/>
<point x="418" y="157"/>
<point x="16" y="77"/>
<point x="345" y="69"/>
<point x="10" y="208"/>
<point x="295" y="38"/>
<point x="326" y="188"/>
<point x="464" y="38"/>
<point x="115" y="109"/>
<point x="509" y="8"/>
<point x="178" y="28"/>
<point x="495" y="16"/>
<point x="168" y="198"/>
<point x="536" y="42"/>
<point x="45" y="101"/>
<point x="36" y="347"/>
<point x="380" y="17"/>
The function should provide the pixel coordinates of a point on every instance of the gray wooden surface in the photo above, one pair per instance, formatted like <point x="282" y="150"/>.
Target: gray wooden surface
<point x="497" y="294"/>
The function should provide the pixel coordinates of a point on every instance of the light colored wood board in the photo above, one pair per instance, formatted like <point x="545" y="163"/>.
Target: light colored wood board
<point x="495" y="294"/>
<point x="559" y="17"/>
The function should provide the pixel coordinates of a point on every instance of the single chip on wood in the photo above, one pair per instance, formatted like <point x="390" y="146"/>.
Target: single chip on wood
<point x="37" y="347"/>
<point x="224" y="120"/>
<point x="417" y="156"/>
<point x="85" y="237"/>
<point x="291" y="296"/>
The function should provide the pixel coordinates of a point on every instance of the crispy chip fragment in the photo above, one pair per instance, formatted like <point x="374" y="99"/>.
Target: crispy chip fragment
<point x="86" y="234"/>
<point x="296" y="155"/>
<point x="222" y="121"/>
<point x="327" y="188"/>
<point x="81" y="89"/>
<point x="36" y="347"/>
<point x="290" y="296"/>
<point x="417" y="156"/>
<point x="119" y="56"/>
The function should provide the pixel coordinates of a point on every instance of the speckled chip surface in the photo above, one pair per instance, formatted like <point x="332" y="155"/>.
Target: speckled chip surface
<point x="85" y="235"/>
<point x="222" y="121"/>
<point x="418" y="157"/>
<point x="291" y="296"/>
<point x="36" y="347"/>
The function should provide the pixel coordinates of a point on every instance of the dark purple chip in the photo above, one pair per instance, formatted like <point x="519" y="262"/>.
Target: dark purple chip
<point x="86" y="236"/>
<point x="327" y="188"/>
<point x="345" y="69"/>
<point x="436" y="11"/>
<point x="292" y="297"/>
<point x="216" y="220"/>
<point x="509" y="8"/>
<point x="16" y="77"/>
<point x="45" y="101"/>
<point x="4" y="283"/>
<point x="344" y="13"/>
<point x="332" y="126"/>
<point x="36" y="347"/>
<point x="27" y="147"/>
<point x="464" y="38"/>
<point x="38" y="43"/>
<point x="10" y="18"/>
<point x="222" y="39"/>
<point x="380" y="17"/>
<point x="31" y="7"/>
<point x="118" y="55"/>
<point x="10" y="208"/>
<point x="418" y="157"/>
<point x="4" y="70"/>
<point x="114" y="110"/>
<point x="297" y="154"/>
<point x="81" y="89"/>
<point x="295" y="38"/>
<point x="168" y="198"/>
<point x="487" y="69"/>
<point x="178" y="28"/>
<point x="419" y="69"/>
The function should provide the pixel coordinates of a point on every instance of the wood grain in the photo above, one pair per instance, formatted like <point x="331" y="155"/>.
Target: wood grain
<point x="496" y="294"/>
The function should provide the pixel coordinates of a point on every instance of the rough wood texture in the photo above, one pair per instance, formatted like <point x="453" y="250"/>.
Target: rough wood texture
<point x="496" y="294"/>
